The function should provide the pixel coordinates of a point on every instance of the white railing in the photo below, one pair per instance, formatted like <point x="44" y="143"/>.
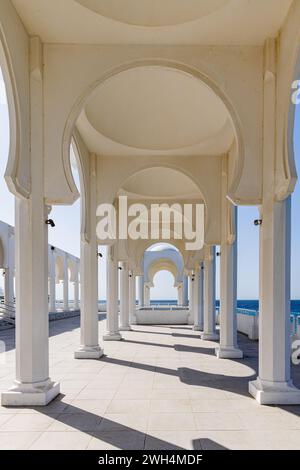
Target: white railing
<point x="295" y="326"/>
<point x="59" y="305"/>
<point x="247" y="321"/>
<point x="170" y="307"/>
<point x="7" y="313"/>
<point x="162" y="316"/>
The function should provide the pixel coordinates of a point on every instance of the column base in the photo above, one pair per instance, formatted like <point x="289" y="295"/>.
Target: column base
<point x="274" y="393"/>
<point x="124" y="328"/>
<point x="88" y="352"/>
<point x="198" y="328"/>
<point x="37" y="394"/>
<point x="229" y="353"/>
<point x="210" y="337"/>
<point x="112" y="337"/>
<point x="132" y="320"/>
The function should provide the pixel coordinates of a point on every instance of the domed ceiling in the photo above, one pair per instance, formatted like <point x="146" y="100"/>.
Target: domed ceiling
<point x="153" y="12"/>
<point x="161" y="182"/>
<point x="156" y="109"/>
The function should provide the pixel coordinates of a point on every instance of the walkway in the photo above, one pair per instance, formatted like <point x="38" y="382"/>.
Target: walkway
<point x="162" y="388"/>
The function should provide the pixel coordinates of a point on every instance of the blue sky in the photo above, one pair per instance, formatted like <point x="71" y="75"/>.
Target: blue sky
<point x="65" y="235"/>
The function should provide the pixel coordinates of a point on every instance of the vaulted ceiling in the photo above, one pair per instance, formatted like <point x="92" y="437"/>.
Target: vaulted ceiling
<point x="207" y="22"/>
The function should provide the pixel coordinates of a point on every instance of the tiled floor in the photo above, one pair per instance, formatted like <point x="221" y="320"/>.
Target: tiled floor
<point x="160" y="388"/>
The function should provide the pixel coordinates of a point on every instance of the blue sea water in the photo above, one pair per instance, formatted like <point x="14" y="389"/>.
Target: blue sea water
<point x="254" y="305"/>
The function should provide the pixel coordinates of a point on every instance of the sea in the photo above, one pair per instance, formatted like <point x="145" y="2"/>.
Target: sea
<point x="251" y="305"/>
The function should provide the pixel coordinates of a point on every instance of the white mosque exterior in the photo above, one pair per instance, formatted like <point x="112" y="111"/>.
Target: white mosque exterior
<point x="187" y="102"/>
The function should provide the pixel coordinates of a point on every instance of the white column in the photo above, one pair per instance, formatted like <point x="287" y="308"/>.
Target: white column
<point x="66" y="287"/>
<point x="141" y="291"/>
<point x="191" y="299"/>
<point x="198" y="299"/>
<point x="112" y="314"/>
<point x="124" y="297"/>
<point x="274" y="385"/>
<point x="146" y="295"/>
<point x="32" y="386"/>
<point x="195" y="298"/>
<point x="52" y="283"/>
<point x="9" y="286"/>
<point x="209" y="327"/>
<point x="228" y="347"/>
<point x="89" y="332"/>
<point x="9" y="271"/>
<point x="76" y="293"/>
<point x="132" y="299"/>
<point x="185" y="294"/>
<point x="180" y="294"/>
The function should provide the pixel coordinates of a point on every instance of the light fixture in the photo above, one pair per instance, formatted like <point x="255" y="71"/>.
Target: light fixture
<point x="258" y="222"/>
<point x="50" y="222"/>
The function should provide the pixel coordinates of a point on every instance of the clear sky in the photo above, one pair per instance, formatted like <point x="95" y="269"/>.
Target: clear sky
<point x="65" y="235"/>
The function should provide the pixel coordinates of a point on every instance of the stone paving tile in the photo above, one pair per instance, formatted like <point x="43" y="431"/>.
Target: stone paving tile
<point x="128" y="406"/>
<point x="76" y="422"/>
<point x="220" y="421"/>
<point x="28" y="422"/>
<point x="17" y="440"/>
<point x="170" y="405"/>
<point x="259" y="420"/>
<point x="172" y="440"/>
<point x="171" y="422"/>
<point x="62" y="441"/>
<point x="160" y="388"/>
<point x="117" y="440"/>
<point x="123" y="421"/>
<point x="98" y="407"/>
<point x="5" y="417"/>
<point x="96" y="393"/>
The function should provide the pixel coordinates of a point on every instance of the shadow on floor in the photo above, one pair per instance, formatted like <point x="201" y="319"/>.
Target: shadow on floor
<point x="56" y="327"/>
<point x="146" y="343"/>
<point x="208" y="444"/>
<point x="178" y="335"/>
<point x="193" y="377"/>
<point x="110" y="433"/>
<point x="103" y="429"/>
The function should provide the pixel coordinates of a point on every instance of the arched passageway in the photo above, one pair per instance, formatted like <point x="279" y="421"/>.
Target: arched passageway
<point x="206" y="126"/>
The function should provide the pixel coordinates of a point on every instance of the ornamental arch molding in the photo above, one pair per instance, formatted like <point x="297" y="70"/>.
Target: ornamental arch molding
<point x="85" y="92"/>
<point x="14" y="47"/>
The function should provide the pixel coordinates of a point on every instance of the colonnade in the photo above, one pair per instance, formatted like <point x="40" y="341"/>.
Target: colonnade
<point x="62" y="268"/>
<point x="274" y="325"/>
